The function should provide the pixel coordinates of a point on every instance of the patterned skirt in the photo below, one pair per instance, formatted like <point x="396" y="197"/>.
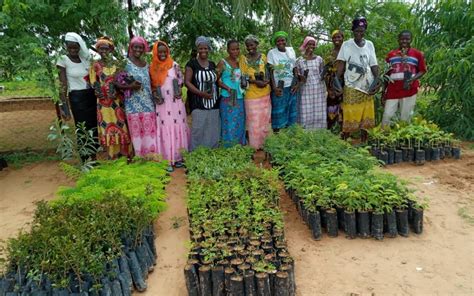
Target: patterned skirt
<point x="284" y="109"/>
<point x="258" y="115"/>
<point x="358" y="110"/>
<point x="312" y="106"/>
<point x="143" y="132"/>
<point x="232" y="122"/>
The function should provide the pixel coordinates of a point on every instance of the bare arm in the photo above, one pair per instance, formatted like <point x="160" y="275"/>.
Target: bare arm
<point x="65" y="114"/>
<point x="220" y="69"/>
<point x="188" y="77"/>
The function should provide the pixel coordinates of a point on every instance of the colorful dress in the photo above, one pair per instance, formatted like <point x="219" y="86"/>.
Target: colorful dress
<point x="140" y="110"/>
<point x="111" y="119"/>
<point x="257" y="101"/>
<point x="232" y="110"/>
<point x="334" y="109"/>
<point x="312" y="95"/>
<point x="358" y="105"/>
<point x="173" y="133"/>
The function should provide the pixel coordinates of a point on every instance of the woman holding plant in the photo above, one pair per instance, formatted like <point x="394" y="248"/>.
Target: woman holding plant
<point x="334" y="99"/>
<point x="312" y="100"/>
<point x="167" y="81"/>
<point x="257" y="96"/>
<point x="358" y="63"/>
<point x="281" y="61"/>
<point x="104" y="78"/>
<point x="139" y="105"/>
<point x="232" y="108"/>
<point x="200" y="79"/>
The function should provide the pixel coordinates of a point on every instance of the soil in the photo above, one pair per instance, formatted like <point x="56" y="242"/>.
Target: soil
<point x="439" y="261"/>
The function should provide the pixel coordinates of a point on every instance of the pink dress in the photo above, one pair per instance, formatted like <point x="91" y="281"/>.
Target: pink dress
<point x="173" y="133"/>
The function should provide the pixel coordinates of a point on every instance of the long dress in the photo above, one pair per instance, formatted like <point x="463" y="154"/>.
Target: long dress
<point x="140" y="111"/>
<point x="312" y="99"/>
<point x="173" y="133"/>
<point x="111" y="119"/>
<point x="232" y="110"/>
<point x="257" y="101"/>
<point x="333" y="102"/>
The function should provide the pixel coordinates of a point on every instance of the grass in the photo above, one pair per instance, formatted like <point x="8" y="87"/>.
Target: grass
<point x="464" y="213"/>
<point x="29" y="88"/>
<point x="19" y="159"/>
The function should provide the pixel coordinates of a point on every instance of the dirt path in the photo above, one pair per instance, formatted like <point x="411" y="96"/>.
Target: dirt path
<point x="19" y="189"/>
<point x="172" y="231"/>
<point x="438" y="262"/>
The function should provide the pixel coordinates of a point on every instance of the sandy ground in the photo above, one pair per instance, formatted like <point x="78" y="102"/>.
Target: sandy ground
<point x="438" y="262"/>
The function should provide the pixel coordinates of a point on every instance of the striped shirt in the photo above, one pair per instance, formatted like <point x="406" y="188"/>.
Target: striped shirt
<point x="408" y="65"/>
<point x="203" y="79"/>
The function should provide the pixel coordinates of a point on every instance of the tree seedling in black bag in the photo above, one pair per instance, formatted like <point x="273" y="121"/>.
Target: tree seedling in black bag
<point x="244" y="81"/>
<point x="176" y="90"/>
<point x="158" y="96"/>
<point x="281" y="85"/>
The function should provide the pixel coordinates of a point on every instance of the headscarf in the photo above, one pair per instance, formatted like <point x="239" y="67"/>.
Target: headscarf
<point x="104" y="40"/>
<point x="335" y="32"/>
<point x="138" y="40"/>
<point x="83" y="51"/>
<point x="159" y="69"/>
<point x="307" y="39"/>
<point x="359" y="22"/>
<point x="251" y="38"/>
<point x="279" y="34"/>
<point x="203" y="40"/>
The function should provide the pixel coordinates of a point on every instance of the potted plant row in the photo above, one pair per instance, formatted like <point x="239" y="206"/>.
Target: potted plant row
<point x="336" y="186"/>
<point x="91" y="240"/>
<point x="418" y="142"/>
<point x="237" y="245"/>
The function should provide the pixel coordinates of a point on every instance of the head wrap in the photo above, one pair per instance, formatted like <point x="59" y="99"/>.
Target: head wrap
<point x="83" y="51"/>
<point x="203" y="40"/>
<point x="335" y="32"/>
<point x="105" y="40"/>
<point x="158" y="68"/>
<point x="138" y="40"/>
<point x="359" y="22"/>
<point x="279" y="34"/>
<point x="307" y="39"/>
<point x="251" y="38"/>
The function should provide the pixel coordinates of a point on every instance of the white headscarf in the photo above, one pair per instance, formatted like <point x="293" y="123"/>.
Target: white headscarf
<point x="84" y="51"/>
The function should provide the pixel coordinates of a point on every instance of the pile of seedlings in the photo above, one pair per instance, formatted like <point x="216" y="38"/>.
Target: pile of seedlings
<point x="238" y="245"/>
<point x="418" y="142"/>
<point x="96" y="239"/>
<point x="338" y="187"/>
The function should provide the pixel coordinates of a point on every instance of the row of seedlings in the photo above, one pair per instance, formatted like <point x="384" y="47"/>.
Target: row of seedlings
<point x="417" y="142"/>
<point x="96" y="239"/>
<point x="337" y="187"/>
<point x="238" y="245"/>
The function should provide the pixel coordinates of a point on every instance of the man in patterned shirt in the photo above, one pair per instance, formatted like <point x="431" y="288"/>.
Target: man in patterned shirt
<point x="407" y="65"/>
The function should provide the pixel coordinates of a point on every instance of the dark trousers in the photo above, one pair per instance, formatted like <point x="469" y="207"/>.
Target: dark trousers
<point x="84" y="109"/>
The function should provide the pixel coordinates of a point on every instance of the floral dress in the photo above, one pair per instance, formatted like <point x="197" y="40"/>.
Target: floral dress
<point x="111" y="119"/>
<point x="140" y="110"/>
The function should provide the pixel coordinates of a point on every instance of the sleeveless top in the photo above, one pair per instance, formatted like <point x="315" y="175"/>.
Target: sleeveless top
<point x="203" y="79"/>
<point x="231" y="78"/>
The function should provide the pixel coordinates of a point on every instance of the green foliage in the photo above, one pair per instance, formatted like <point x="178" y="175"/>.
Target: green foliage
<point x="419" y="133"/>
<point x="327" y="172"/>
<point x="447" y="39"/>
<point x="21" y="158"/>
<point x="240" y="201"/>
<point x="139" y="179"/>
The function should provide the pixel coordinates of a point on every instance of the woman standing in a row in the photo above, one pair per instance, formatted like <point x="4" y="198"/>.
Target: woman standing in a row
<point x="200" y="79"/>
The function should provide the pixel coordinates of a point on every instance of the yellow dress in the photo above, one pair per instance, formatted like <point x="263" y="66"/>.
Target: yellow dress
<point x="249" y="69"/>
<point x="111" y="119"/>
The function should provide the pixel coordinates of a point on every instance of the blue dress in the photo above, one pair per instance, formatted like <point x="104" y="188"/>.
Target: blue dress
<point x="232" y="111"/>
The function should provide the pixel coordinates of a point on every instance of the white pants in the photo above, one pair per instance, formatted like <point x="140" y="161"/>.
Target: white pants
<point x="407" y="106"/>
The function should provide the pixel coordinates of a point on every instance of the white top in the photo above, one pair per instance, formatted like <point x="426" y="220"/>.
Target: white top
<point x="283" y="64"/>
<point x="75" y="72"/>
<point x="358" y="62"/>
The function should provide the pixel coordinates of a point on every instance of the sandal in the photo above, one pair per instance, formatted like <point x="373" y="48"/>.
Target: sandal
<point x="170" y="169"/>
<point x="178" y="164"/>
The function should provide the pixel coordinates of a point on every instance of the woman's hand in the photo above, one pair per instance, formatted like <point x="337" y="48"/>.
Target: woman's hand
<point x="135" y="85"/>
<point x="261" y="84"/>
<point x="205" y="95"/>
